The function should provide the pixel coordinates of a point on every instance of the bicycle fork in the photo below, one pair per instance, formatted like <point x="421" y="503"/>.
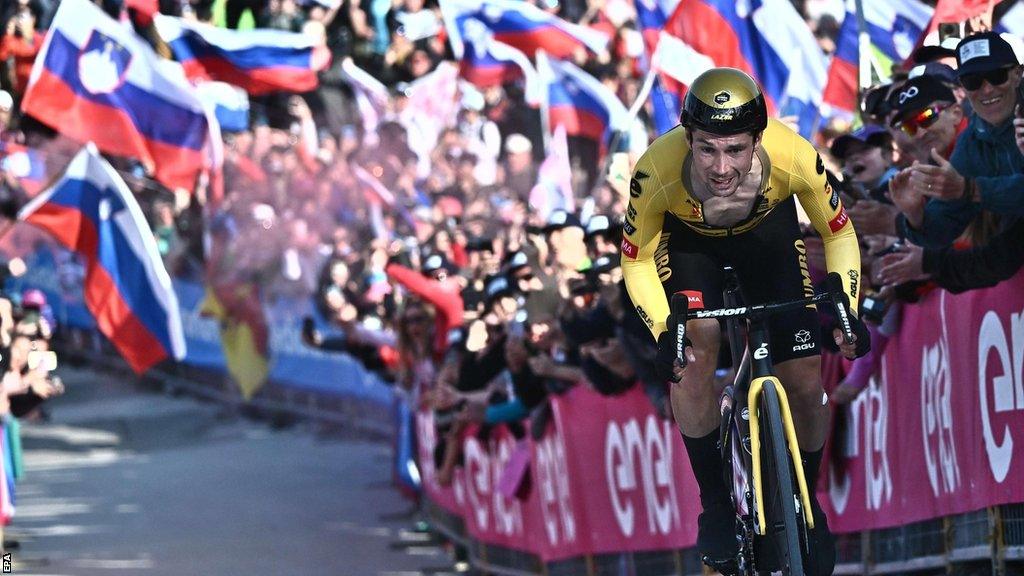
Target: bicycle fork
<point x="753" y="400"/>
<point x="761" y="368"/>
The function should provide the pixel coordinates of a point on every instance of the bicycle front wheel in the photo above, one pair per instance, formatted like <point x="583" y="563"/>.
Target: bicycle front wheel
<point x="779" y="489"/>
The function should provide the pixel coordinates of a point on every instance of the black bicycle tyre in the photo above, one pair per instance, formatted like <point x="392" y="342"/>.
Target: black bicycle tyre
<point x="777" y="483"/>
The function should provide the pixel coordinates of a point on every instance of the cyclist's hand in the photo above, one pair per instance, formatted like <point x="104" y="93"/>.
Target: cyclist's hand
<point x="861" y="344"/>
<point x="668" y="366"/>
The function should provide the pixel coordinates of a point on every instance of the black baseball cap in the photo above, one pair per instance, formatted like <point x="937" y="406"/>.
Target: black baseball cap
<point x="933" y="52"/>
<point x="497" y="287"/>
<point x="984" y="52"/>
<point x="917" y="94"/>
<point x="561" y="219"/>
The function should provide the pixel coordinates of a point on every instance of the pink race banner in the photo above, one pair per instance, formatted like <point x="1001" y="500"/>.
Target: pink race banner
<point x="940" y="430"/>
<point x="607" y="476"/>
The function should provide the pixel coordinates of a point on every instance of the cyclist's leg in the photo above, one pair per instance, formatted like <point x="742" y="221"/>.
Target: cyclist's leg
<point x="695" y="398"/>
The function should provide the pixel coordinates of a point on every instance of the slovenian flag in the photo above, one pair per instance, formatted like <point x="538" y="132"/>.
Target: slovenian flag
<point x="765" y="38"/>
<point x="91" y="212"/>
<point x="486" y="62"/>
<point x="96" y="80"/>
<point x="259" y="61"/>
<point x="230" y="105"/>
<point x="522" y="26"/>
<point x="893" y="27"/>
<point x="650" y="16"/>
<point x="579" y="102"/>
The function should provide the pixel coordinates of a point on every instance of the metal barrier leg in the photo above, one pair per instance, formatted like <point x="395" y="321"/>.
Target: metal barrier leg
<point x="995" y="520"/>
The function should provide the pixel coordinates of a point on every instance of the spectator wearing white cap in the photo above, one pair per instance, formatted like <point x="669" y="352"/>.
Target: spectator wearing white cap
<point x="565" y="237"/>
<point x="481" y="136"/>
<point x="520" y="172"/>
<point x="601" y="237"/>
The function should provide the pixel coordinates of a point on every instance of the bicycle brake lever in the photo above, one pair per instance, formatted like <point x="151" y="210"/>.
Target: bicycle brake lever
<point x="680" y="308"/>
<point x="841" y="303"/>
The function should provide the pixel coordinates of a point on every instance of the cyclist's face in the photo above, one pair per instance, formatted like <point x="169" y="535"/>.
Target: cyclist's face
<point x="722" y="162"/>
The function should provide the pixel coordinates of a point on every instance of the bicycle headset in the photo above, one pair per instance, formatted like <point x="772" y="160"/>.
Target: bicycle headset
<point x="724" y="102"/>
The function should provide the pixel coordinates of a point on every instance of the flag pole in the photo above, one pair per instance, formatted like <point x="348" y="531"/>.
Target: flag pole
<point x="617" y="135"/>
<point x="863" y="48"/>
<point x="545" y="80"/>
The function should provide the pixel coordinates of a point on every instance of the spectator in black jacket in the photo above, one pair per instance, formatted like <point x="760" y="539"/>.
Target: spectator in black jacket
<point x="959" y="270"/>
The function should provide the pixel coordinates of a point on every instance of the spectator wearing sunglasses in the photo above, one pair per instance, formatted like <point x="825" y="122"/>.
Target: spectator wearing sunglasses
<point x="927" y="111"/>
<point x="985" y="173"/>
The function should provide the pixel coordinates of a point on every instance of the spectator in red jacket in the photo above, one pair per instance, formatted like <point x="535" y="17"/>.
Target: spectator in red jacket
<point x="22" y="42"/>
<point x="437" y="286"/>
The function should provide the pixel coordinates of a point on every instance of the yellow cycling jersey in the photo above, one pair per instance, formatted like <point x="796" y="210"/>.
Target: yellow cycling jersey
<point x="791" y="166"/>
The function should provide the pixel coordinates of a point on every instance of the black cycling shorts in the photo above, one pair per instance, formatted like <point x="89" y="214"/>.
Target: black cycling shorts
<point x="771" y="264"/>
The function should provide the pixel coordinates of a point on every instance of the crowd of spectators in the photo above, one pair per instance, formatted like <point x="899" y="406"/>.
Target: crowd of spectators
<point x="476" y="303"/>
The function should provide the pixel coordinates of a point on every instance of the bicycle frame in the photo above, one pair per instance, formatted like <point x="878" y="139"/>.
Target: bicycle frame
<point x="753" y="371"/>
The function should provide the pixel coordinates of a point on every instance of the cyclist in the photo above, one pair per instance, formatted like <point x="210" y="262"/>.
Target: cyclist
<point x="719" y="189"/>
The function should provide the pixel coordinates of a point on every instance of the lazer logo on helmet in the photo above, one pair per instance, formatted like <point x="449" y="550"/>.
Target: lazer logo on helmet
<point x="721" y="117"/>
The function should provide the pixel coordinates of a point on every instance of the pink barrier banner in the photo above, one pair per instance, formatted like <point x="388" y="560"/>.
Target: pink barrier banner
<point x="629" y="482"/>
<point x="939" y="431"/>
<point x="941" y="428"/>
<point x="607" y="476"/>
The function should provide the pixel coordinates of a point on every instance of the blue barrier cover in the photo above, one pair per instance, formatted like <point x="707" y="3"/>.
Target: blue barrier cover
<point x="60" y="275"/>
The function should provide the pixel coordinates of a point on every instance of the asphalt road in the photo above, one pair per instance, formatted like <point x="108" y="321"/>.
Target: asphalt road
<point x="121" y="481"/>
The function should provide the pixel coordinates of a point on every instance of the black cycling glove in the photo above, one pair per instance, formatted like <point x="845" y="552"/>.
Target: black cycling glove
<point x="665" y="361"/>
<point x="860" y="330"/>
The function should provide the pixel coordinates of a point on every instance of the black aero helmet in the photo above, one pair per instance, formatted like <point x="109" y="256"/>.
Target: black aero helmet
<point x="724" y="101"/>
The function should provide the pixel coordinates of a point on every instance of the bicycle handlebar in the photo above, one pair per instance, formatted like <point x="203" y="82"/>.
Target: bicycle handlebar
<point x="833" y="295"/>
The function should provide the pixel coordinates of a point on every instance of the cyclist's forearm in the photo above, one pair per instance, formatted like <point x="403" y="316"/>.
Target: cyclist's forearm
<point x="842" y="256"/>
<point x="644" y="287"/>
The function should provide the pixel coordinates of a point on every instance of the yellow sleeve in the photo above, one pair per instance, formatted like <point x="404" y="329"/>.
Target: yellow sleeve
<point x="826" y="212"/>
<point x="640" y="236"/>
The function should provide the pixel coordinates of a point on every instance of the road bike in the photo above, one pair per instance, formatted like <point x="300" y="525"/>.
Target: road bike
<point x="760" y="453"/>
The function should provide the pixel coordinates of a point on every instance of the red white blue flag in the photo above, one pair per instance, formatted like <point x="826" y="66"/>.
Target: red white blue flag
<point x="894" y="28"/>
<point x="485" y="62"/>
<point x="523" y="26"/>
<point x="579" y="102"/>
<point x="91" y="211"/>
<point x="765" y="38"/>
<point x="260" y="61"/>
<point x="96" y="80"/>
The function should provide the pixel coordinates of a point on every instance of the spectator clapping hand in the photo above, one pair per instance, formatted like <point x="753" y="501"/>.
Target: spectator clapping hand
<point x="873" y="217"/>
<point x="1018" y="130"/>
<point x="905" y="264"/>
<point x="907" y="197"/>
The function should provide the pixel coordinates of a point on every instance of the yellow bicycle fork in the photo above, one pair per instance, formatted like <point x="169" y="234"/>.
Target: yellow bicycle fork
<point x="753" y="401"/>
